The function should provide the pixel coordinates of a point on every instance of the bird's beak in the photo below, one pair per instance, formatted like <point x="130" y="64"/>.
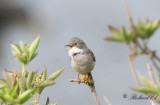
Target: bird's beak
<point x="70" y="47"/>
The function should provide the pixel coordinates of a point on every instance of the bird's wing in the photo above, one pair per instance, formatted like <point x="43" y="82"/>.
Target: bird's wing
<point x="92" y="55"/>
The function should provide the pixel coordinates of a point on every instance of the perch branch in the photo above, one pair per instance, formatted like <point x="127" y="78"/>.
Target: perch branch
<point x="92" y="87"/>
<point x="133" y="71"/>
<point x="107" y="101"/>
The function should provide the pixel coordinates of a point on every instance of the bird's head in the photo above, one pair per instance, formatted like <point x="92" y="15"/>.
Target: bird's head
<point x="76" y="42"/>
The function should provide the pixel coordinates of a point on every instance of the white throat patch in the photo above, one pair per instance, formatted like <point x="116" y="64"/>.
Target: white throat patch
<point x="74" y="50"/>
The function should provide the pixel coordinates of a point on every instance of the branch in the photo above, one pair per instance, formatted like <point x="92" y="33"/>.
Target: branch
<point x="152" y="102"/>
<point x="107" y="100"/>
<point x="133" y="71"/>
<point x="132" y="24"/>
<point x="128" y="14"/>
<point x="92" y="87"/>
<point x="144" y="50"/>
<point x="156" y="57"/>
<point x="155" y="64"/>
<point x="151" y="73"/>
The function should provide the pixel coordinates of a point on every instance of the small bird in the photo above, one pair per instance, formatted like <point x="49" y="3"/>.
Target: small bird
<point x="82" y="58"/>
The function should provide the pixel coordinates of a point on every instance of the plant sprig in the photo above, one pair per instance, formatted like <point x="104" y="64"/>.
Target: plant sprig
<point x="16" y="88"/>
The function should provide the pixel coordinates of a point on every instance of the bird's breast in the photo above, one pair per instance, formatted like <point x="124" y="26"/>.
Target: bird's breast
<point x="82" y="63"/>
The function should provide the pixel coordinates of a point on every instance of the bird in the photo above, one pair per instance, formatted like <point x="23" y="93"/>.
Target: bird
<point x="82" y="59"/>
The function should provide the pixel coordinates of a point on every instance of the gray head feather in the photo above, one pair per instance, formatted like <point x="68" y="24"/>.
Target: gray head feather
<point x="77" y="42"/>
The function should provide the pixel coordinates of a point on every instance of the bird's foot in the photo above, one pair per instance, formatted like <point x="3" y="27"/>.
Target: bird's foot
<point x="87" y="81"/>
<point x="78" y="79"/>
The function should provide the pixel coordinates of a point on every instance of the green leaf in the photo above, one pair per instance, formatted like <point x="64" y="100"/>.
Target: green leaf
<point x="55" y="75"/>
<point x="45" y="84"/>
<point x="131" y="37"/>
<point x="33" y="56"/>
<point x="24" y="49"/>
<point x="44" y="74"/>
<point x="13" y="91"/>
<point x="148" y="26"/>
<point x="141" y="25"/>
<point x="39" y="90"/>
<point x="16" y="48"/>
<point x="26" y="95"/>
<point x="148" y="83"/>
<point x="2" y="98"/>
<point x="30" y="80"/>
<point x="5" y="90"/>
<point x="34" y="78"/>
<point x="7" y="79"/>
<point x="21" y="82"/>
<point x="10" y="99"/>
<point x="115" y="31"/>
<point x="23" y="60"/>
<point x="124" y="35"/>
<point x="3" y="83"/>
<point x="113" y="39"/>
<point x="33" y="46"/>
<point x="146" y="90"/>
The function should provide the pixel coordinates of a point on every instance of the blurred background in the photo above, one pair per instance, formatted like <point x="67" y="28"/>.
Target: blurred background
<point x="57" y="22"/>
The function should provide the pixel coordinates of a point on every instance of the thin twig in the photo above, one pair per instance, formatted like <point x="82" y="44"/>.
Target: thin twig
<point x="145" y="50"/>
<point x="107" y="101"/>
<point x="12" y="63"/>
<point x="150" y="72"/>
<point x="152" y="102"/>
<point x="92" y="87"/>
<point x="155" y="64"/>
<point x="133" y="71"/>
<point x="38" y="97"/>
<point x="128" y="13"/>
<point x="156" y="57"/>
<point x="132" y="24"/>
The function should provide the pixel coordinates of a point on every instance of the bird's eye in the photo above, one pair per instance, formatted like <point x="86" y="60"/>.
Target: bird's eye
<point x="75" y="43"/>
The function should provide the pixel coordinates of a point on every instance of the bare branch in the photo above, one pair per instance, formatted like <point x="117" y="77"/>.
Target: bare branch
<point x="107" y="100"/>
<point x="156" y="57"/>
<point x="150" y="72"/>
<point x="133" y="71"/>
<point x="145" y="50"/>
<point x="152" y="102"/>
<point x="128" y="13"/>
<point x="132" y="24"/>
<point x="12" y="63"/>
<point x="92" y="87"/>
<point x="155" y="64"/>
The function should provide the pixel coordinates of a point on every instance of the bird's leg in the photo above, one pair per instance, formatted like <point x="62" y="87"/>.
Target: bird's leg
<point x="86" y="76"/>
<point x="85" y="79"/>
<point x="78" y="79"/>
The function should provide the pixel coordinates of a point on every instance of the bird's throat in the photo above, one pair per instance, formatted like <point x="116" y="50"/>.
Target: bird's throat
<point x="74" y="50"/>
